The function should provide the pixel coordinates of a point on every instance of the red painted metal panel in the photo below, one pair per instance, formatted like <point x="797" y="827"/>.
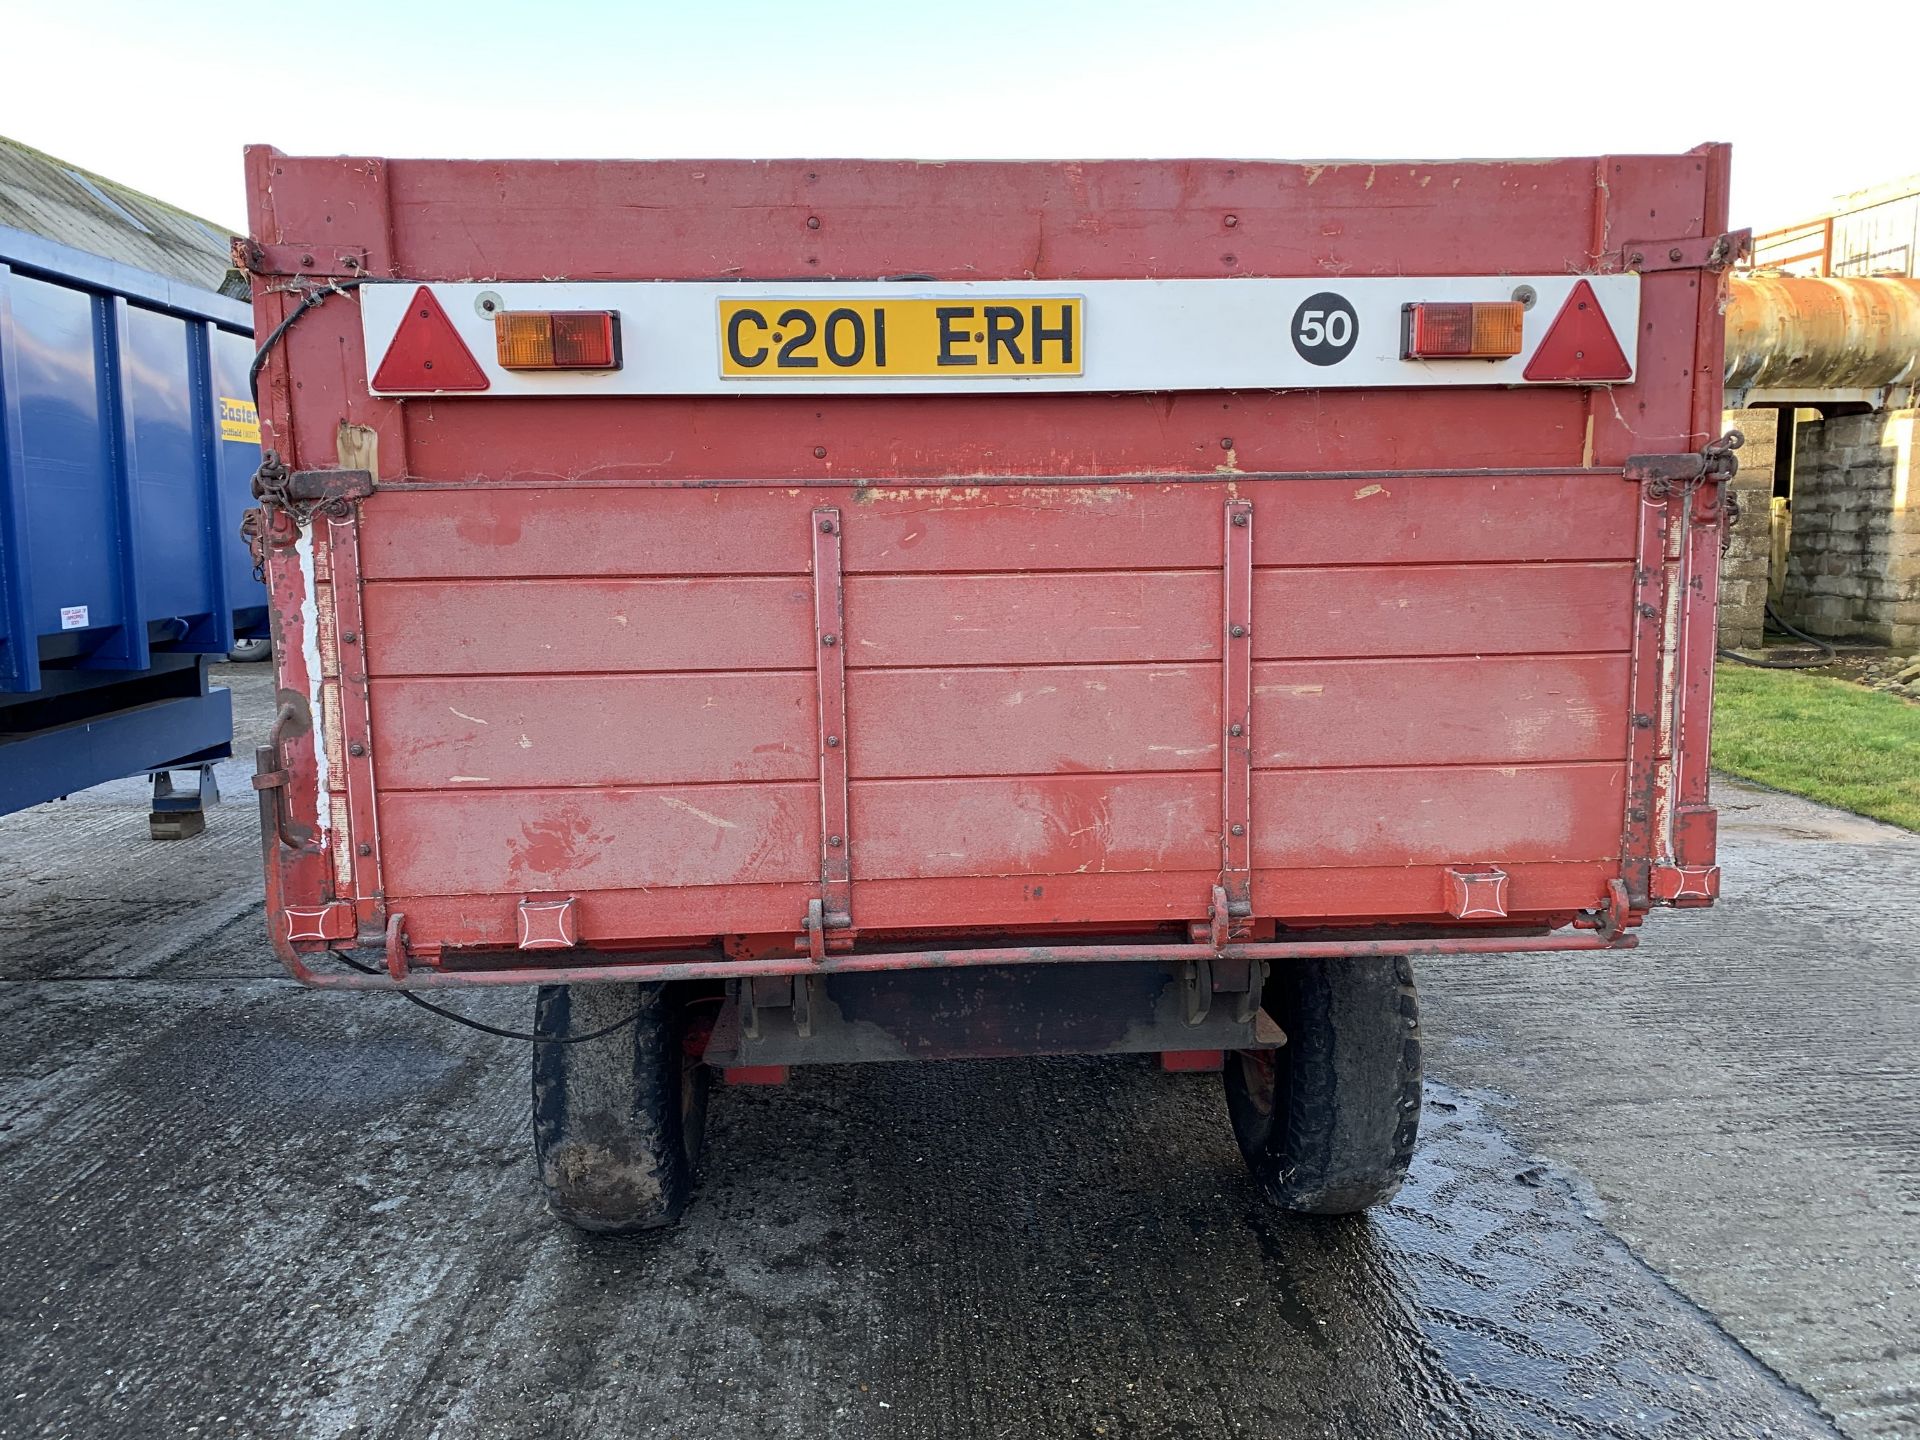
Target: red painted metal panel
<point x="1035" y="825"/>
<point x="506" y="732"/>
<point x="938" y="439"/>
<point x="603" y="530"/>
<point x="1033" y="720"/>
<point x="1445" y="815"/>
<point x="1109" y="218"/>
<point x="519" y="627"/>
<point x="551" y="530"/>
<point x="1486" y="709"/>
<point x="512" y="842"/>
<point x="927" y="620"/>
<point x="1440" y="610"/>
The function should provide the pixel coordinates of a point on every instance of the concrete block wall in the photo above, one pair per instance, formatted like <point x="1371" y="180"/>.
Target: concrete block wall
<point x="1853" y="570"/>
<point x="1744" y="564"/>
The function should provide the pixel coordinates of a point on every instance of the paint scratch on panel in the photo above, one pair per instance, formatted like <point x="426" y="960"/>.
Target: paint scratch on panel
<point x="1366" y="490"/>
<point x="464" y="716"/>
<point x="697" y="812"/>
<point x="468" y="779"/>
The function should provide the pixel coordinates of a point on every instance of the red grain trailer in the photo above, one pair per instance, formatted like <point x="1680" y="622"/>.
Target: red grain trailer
<point x="843" y="610"/>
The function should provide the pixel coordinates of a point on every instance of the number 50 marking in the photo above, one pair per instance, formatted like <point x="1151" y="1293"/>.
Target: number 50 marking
<point x="1319" y="328"/>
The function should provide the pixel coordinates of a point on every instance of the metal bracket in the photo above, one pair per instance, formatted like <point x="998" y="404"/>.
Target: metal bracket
<point x="548" y="924"/>
<point x="321" y="262"/>
<point x="1233" y="896"/>
<point x="830" y="667"/>
<point x="1686" y="886"/>
<point x="332" y="921"/>
<point x="1700" y="252"/>
<point x="1479" y="893"/>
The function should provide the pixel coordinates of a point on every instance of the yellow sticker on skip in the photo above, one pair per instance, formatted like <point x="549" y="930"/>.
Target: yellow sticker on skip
<point x="966" y="338"/>
<point x="239" y="420"/>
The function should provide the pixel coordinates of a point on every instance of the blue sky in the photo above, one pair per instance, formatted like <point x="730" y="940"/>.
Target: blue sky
<point x="163" y="95"/>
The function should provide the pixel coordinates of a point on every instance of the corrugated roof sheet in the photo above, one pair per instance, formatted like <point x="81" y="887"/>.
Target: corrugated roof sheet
<point x="45" y="196"/>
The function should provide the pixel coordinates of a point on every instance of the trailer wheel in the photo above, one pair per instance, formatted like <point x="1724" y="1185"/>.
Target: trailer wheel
<point x="1327" y="1122"/>
<point x="617" y="1121"/>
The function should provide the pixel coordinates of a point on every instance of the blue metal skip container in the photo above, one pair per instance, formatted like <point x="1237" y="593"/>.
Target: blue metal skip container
<point x="127" y="444"/>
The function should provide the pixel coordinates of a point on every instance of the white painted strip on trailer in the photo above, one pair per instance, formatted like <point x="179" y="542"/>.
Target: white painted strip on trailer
<point x="1139" y="335"/>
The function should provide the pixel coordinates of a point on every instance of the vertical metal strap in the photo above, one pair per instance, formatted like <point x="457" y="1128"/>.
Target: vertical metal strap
<point x="19" y="639"/>
<point x="830" y="650"/>
<point x="129" y="648"/>
<point x="1644" y="685"/>
<point x="348" y="644"/>
<point x="215" y="635"/>
<point x="1236" y="716"/>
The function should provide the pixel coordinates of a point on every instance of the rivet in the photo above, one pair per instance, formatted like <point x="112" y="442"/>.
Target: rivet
<point x="1239" y="829"/>
<point x="1636" y="258"/>
<point x="813" y="222"/>
<point x="833" y="842"/>
<point x="1237" y="631"/>
<point x="349" y="638"/>
<point x="356" y="748"/>
<point x="1236" y="729"/>
<point x="819" y="452"/>
<point x="1232" y="220"/>
<point x="1240" y="520"/>
<point x="1226" y="442"/>
<point x="829" y="640"/>
<point x="364" y="848"/>
<point x="306" y="259"/>
<point x="833" y="742"/>
<point x="1674" y="254"/>
<point x="826" y="527"/>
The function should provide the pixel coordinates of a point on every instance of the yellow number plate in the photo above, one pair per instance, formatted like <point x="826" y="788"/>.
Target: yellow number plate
<point x="952" y="338"/>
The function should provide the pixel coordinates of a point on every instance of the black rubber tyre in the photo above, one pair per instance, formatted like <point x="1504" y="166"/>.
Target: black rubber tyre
<point x="1327" y="1122"/>
<point x="618" y="1121"/>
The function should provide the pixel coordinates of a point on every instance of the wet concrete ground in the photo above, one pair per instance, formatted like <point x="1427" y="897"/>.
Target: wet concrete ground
<point x="229" y="1207"/>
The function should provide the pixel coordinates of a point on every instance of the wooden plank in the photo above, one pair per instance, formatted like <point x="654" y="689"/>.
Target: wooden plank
<point x="1035" y="825"/>
<point x="1033" y="720"/>
<point x="511" y="842"/>
<point x="896" y="439"/>
<point x="1444" y="816"/>
<point x="1550" y="891"/>
<point x="489" y="534"/>
<point x="1485" y="709"/>
<point x="474" y="627"/>
<point x="1430" y="519"/>
<point x="917" y="529"/>
<point x="1441" y="610"/>
<point x="496" y="732"/>
<point x="1042" y="619"/>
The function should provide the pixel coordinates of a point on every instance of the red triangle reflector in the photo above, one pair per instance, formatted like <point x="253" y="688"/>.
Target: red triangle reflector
<point x="1579" y="345"/>
<point x="427" y="353"/>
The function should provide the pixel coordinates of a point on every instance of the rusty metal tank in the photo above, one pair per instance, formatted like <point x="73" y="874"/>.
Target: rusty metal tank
<point x="1806" y="337"/>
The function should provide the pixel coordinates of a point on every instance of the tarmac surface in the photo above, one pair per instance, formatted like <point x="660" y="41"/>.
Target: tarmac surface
<point x="1669" y="1194"/>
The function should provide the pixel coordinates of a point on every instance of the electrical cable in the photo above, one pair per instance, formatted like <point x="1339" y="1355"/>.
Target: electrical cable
<point x="308" y="300"/>
<point x="1829" y="654"/>
<point x="487" y="1029"/>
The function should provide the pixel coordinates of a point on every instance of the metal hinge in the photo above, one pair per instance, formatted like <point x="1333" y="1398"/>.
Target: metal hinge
<point x="1701" y="252"/>
<point x="1715" y="462"/>
<point x="290" y="499"/>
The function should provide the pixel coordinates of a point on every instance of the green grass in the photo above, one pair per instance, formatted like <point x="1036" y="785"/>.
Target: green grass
<point x="1822" y="738"/>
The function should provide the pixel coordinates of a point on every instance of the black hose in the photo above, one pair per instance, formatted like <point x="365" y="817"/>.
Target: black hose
<point x="1827" y="656"/>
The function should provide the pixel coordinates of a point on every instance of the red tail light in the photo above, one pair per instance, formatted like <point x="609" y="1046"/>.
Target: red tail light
<point x="1482" y="330"/>
<point x="558" y="339"/>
